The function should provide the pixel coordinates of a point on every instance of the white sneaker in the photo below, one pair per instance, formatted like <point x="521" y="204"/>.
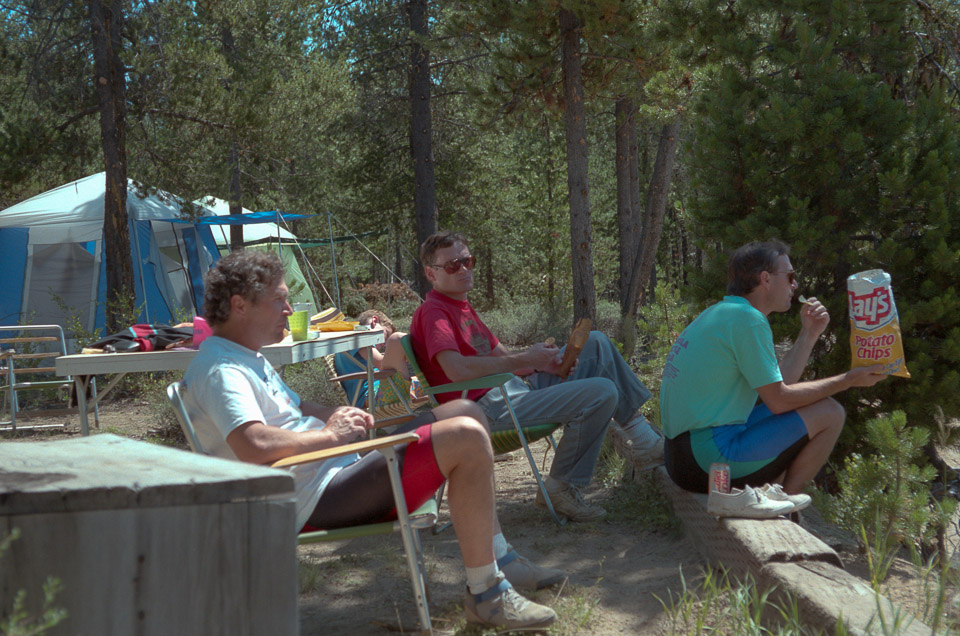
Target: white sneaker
<point x="775" y="492"/>
<point x="646" y="443"/>
<point x="747" y="503"/>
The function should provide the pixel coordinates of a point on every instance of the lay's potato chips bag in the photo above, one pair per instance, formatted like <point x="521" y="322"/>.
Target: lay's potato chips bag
<point x="874" y="325"/>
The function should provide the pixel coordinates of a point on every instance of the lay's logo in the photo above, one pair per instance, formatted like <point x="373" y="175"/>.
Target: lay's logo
<point x="873" y="309"/>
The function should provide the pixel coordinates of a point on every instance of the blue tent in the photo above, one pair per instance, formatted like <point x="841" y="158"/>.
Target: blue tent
<point x="51" y="253"/>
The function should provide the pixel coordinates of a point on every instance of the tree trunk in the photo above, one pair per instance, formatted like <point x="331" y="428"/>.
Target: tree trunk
<point x="628" y="194"/>
<point x="106" y="22"/>
<point x="581" y="239"/>
<point x="236" y="198"/>
<point x="421" y="149"/>
<point x="652" y="224"/>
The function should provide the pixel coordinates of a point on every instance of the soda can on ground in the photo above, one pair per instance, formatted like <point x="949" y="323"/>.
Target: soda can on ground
<point x="720" y="477"/>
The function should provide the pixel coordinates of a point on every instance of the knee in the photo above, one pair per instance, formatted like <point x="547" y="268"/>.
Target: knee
<point x="836" y="414"/>
<point x="473" y="436"/>
<point x="395" y="338"/>
<point x="462" y="407"/>
<point x="604" y="394"/>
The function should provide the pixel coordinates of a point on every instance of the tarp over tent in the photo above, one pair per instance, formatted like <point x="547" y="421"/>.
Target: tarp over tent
<point x="51" y="252"/>
<point x="261" y="233"/>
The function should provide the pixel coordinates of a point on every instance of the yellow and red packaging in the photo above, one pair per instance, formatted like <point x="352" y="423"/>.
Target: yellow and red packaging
<point x="875" y="336"/>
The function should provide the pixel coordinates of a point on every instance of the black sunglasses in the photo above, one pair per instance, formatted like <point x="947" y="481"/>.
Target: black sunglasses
<point x="452" y="267"/>
<point x="791" y="275"/>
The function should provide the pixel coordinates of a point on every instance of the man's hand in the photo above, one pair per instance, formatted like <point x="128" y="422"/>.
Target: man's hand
<point x="866" y="376"/>
<point x="814" y="317"/>
<point x="349" y="424"/>
<point x="544" y="357"/>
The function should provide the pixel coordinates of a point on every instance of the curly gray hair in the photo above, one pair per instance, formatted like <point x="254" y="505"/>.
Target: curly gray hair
<point x="247" y="273"/>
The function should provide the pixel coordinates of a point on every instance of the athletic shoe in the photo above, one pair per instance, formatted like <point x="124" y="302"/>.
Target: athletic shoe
<point x="775" y="492"/>
<point x="502" y="607"/>
<point x="568" y="501"/>
<point x="747" y="503"/>
<point x="526" y="575"/>
<point x="646" y="443"/>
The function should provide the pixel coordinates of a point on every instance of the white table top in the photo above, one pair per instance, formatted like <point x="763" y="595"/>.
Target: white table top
<point x="285" y="352"/>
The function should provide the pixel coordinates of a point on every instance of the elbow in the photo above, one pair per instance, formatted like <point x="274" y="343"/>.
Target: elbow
<point x="250" y="446"/>
<point x="457" y="374"/>
<point x="777" y="408"/>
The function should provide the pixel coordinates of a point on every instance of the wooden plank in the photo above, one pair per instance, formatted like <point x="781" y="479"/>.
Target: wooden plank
<point x="34" y="339"/>
<point x="23" y="370"/>
<point x="182" y="570"/>
<point x="346" y="449"/>
<point x="35" y="356"/>
<point x="106" y="471"/>
<point x="743" y="545"/>
<point x="273" y="588"/>
<point x="826" y="594"/>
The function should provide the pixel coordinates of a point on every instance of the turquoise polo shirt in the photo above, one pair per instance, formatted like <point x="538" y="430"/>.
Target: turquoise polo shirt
<point x="715" y="366"/>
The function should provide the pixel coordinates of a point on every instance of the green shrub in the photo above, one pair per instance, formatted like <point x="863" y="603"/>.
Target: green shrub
<point x="659" y="324"/>
<point x="884" y="493"/>
<point x="519" y="324"/>
<point x="17" y="620"/>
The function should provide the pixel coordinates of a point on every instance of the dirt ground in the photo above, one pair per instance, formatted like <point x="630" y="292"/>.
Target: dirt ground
<point x="619" y="568"/>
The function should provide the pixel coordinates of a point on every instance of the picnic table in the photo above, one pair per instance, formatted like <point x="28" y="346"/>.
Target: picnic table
<point x="83" y="366"/>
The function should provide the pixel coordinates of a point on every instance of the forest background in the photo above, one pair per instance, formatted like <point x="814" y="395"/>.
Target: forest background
<point x="594" y="151"/>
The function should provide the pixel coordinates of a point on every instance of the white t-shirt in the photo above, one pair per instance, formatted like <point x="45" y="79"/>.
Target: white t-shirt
<point x="229" y="385"/>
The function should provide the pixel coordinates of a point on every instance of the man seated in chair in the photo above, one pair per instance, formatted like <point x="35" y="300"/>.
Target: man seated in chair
<point x="453" y="345"/>
<point x="241" y="409"/>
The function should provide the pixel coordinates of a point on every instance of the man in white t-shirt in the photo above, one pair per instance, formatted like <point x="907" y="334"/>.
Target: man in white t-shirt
<point x="242" y="409"/>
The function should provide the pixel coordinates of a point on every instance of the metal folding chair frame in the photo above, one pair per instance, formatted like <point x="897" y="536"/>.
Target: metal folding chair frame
<point x="407" y="523"/>
<point x="489" y="382"/>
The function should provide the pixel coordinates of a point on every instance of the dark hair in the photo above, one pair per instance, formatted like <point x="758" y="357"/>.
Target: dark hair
<point x="746" y="264"/>
<point x="437" y="241"/>
<point x="248" y="273"/>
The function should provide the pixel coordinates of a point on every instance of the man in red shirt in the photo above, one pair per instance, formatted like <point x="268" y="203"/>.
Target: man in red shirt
<point x="452" y="345"/>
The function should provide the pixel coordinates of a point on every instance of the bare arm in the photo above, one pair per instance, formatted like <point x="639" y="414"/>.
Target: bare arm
<point x="258" y="443"/>
<point x="813" y="320"/>
<point x="460" y="368"/>
<point x="781" y="397"/>
<point x="374" y="353"/>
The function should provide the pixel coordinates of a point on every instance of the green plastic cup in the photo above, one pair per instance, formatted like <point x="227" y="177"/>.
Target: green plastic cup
<point x="299" y="320"/>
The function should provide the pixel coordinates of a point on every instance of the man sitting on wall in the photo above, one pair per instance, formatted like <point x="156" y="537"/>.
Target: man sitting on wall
<point x="725" y="359"/>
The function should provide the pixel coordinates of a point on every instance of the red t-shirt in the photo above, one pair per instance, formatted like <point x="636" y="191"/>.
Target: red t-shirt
<point x="440" y="324"/>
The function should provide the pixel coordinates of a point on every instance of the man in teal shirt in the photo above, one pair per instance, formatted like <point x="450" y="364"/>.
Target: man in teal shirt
<point x="725" y="359"/>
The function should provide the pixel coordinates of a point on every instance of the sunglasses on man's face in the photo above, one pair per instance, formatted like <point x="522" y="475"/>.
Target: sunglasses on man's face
<point x="452" y="267"/>
<point x="791" y="276"/>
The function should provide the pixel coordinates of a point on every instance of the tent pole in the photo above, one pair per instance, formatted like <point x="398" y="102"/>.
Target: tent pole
<point x="333" y="260"/>
<point x="143" y="285"/>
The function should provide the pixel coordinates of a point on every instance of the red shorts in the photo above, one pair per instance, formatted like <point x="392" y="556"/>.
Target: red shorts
<point x="361" y="492"/>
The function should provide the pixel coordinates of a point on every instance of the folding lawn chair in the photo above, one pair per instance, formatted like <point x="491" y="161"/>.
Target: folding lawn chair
<point x="503" y="441"/>
<point x="392" y="391"/>
<point x="407" y="523"/>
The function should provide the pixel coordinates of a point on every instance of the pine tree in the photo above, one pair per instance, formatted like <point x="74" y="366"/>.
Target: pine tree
<point x="814" y="129"/>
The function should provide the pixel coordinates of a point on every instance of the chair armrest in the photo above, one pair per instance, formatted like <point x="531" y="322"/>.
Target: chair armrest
<point x="362" y="375"/>
<point x="346" y="449"/>
<point x="486" y="382"/>
<point x="393" y="421"/>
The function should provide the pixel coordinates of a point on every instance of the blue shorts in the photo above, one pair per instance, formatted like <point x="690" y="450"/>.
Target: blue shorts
<point x="757" y="451"/>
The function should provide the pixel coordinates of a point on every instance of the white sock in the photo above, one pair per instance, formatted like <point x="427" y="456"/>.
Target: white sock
<point x="500" y="547"/>
<point x="478" y="579"/>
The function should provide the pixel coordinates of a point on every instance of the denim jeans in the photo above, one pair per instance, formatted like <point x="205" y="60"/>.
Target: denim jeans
<point x="602" y="387"/>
